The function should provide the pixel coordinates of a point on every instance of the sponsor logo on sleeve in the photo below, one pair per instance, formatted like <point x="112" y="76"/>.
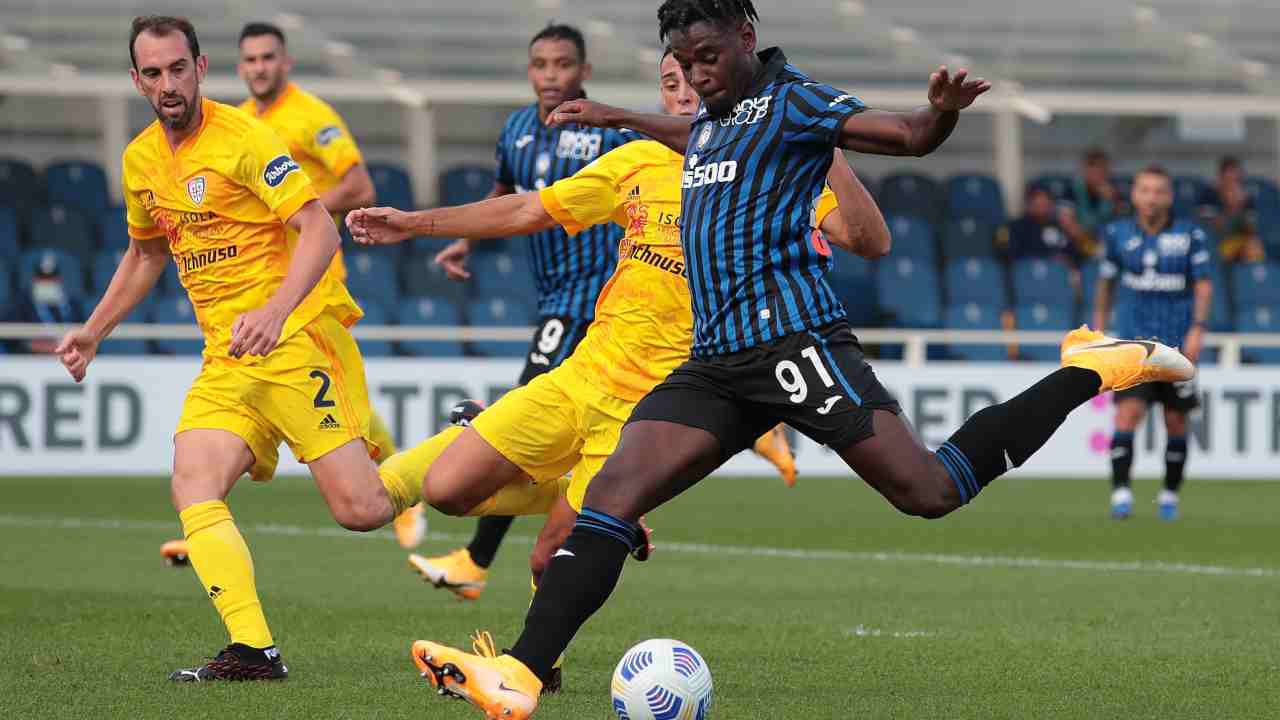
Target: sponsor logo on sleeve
<point x="278" y="169"/>
<point x="328" y="135"/>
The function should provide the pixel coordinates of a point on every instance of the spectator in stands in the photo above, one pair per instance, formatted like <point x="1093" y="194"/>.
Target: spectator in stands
<point x="1227" y="211"/>
<point x="1093" y="202"/>
<point x="47" y="302"/>
<point x="1038" y="233"/>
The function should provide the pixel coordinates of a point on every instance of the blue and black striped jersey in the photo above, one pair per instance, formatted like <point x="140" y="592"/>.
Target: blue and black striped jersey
<point x="532" y="156"/>
<point x="750" y="180"/>
<point x="1154" y="277"/>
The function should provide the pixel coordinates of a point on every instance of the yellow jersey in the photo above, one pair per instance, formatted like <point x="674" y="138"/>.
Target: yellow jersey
<point x="643" y="325"/>
<point x="317" y="139"/>
<point x="221" y="201"/>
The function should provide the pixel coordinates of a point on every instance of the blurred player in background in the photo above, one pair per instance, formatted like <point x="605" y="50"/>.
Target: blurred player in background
<point x="1157" y="269"/>
<point x="218" y="191"/>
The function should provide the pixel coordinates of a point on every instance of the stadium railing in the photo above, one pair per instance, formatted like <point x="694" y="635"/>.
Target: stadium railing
<point x="915" y="342"/>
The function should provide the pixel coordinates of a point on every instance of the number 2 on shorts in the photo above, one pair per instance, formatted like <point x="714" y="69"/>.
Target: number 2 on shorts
<point x="321" y="400"/>
<point x="792" y="381"/>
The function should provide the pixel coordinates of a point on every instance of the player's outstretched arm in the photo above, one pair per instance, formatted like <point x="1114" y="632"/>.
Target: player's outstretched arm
<point x="918" y="132"/>
<point x="670" y="130"/>
<point x="139" y="270"/>
<point x="858" y="225"/>
<point x="257" y="331"/>
<point x="499" y="217"/>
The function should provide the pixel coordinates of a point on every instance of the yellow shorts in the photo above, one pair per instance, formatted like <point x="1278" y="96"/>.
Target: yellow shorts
<point x="559" y="423"/>
<point x="309" y="391"/>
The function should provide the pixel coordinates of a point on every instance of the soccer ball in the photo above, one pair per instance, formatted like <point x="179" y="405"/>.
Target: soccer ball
<point x="662" y="680"/>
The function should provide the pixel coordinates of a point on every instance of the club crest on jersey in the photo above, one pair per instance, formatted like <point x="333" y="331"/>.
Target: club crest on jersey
<point x="705" y="136"/>
<point x="543" y="164"/>
<point x="195" y="189"/>
<point x="278" y="169"/>
<point x="328" y="135"/>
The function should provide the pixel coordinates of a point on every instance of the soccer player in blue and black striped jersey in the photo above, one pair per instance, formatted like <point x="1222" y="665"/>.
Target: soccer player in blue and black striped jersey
<point x="1157" y="268"/>
<point x="771" y="342"/>
<point x="569" y="274"/>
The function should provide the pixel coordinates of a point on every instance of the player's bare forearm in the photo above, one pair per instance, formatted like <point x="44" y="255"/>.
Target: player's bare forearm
<point x="915" y="133"/>
<point x="670" y="130"/>
<point x="857" y="226"/>
<point x="354" y="190"/>
<point x="139" y="271"/>
<point x="318" y="241"/>
<point x="496" y="217"/>
<point x="1203" y="301"/>
<point x="1102" y="303"/>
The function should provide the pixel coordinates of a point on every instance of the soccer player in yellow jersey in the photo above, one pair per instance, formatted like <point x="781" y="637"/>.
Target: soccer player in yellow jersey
<point x="569" y="420"/>
<point x="215" y="189"/>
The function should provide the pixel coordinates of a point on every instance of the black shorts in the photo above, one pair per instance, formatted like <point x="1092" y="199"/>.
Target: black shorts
<point x="818" y="382"/>
<point x="1179" y="397"/>
<point x="555" y="340"/>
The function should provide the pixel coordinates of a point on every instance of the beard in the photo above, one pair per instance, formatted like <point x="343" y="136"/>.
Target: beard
<point x="181" y="122"/>
<point x="270" y="92"/>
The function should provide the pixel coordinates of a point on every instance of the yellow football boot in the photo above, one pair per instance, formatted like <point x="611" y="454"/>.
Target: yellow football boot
<point x="1124" y="363"/>
<point x="411" y="527"/>
<point x="455" y="572"/>
<point x="501" y="687"/>
<point x="175" y="553"/>
<point x="773" y="446"/>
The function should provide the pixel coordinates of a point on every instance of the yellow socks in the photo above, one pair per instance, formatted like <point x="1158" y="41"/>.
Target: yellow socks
<point x="522" y="499"/>
<point x="221" y="560"/>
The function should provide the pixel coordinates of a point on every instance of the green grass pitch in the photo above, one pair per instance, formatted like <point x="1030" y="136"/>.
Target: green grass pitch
<point x="817" y="602"/>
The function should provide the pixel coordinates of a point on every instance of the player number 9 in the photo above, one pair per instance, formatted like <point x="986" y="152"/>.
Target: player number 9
<point x="550" y="337"/>
<point x="792" y="381"/>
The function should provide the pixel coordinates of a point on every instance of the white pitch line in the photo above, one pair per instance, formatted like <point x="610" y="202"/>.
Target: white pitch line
<point x="885" y="557"/>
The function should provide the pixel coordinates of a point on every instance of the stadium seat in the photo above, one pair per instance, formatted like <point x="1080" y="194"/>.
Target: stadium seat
<point x="968" y="237"/>
<point x="419" y="311"/>
<point x="854" y="281"/>
<point x="141" y="314"/>
<point x="371" y="274"/>
<point x="422" y="277"/>
<point x="976" y="280"/>
<point x="113" y="229"/>
<point x="1088" y="289"/>
<point x="1265" y="196"/>
<point x="175" y="309"/>
<point x="64" y="227"/>
<point x="1256" y="284"/>
<point x="9" y="234"/>
<point x="908" y="293"/>
<point x="1042" y="281"/>
<point x="72" y="270"/>
<point x="1221" y="314"/>
<point x="82" y="184"/>
<point x="913" y="237"/>
<point x="104" y="267"/>
<point x="1039" y="316"/>
<point x="465" y="183"/>
<point x="972" y="316"/>
<point x="374" y="314"/>
<point x="912" y="194"/>
<point x="393" y="186"/>
<point x="1059" y="186"/>
<point x="19" y="186"/>
<point x="1187" y="191"/>
<point x="976" y="196"/>
<point x="1260" y="319"/>
<point x="500" y="311"/>
<point x="505" y="271"/>
<point x="8" y="283"/>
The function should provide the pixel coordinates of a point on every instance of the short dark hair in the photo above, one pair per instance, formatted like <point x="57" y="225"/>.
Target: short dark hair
<point x="1229" y="162"/>
<point x="679" y="14"/>
<point x="560" y="31"/>
<point x="1095" y="155"/>
<point x="161" y="25"/>
<point x="1157" y="170"/>
<point x="258" y="29"/>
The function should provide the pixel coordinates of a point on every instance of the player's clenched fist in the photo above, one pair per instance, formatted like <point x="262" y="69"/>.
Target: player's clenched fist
<point x="256" y="332"/>
<point x="76" y="351"/>
<point x="379" y="225"/>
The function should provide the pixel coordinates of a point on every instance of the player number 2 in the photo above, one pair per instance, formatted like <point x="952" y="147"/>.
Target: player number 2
<point x="550" y="338"/>
<point x="321" y="400"/>
<point x="792" y="380"/>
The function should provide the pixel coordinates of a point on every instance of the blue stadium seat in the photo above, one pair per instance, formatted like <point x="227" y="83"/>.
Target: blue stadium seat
<point x="8" y="283"/>
<point x="1088" y="288"/>
<point x="503" y="271"/>
<point x="72" y="270"/>
<point x="104" y="267"/>
<point x="82" y="184"/>
<point x="972" y="316"/>
<point x="1260" y="319"/>
<point x="64" y="227"/>
<point x="1265" y="195"/>
<point x="113" y="229"/>
<point x="500" y="311"/>
<point x="1221" y="314"/>
<point x="912" y="194"/>
<point x="465" y="183"/>
<point x="1042" y="281"/>
<point x="976" y="280"/>
<point x="9" y="234"/>
<point x="421" y="277"/>
<point x="393" y="186"/>
<point x="175" y="309"/>
<point x="1058" y="185"/>
<point x="371" y="274"/>
<point x="374" y="314"/>
<point x="1256" y="284"/>
<point x="908" y="293"/>
<point x="19" y="185"/>
<point x="143" y="313"/>
<point x="429" y="311"/>
<point x="1038" y="316"/>
<point x="968" y="237"/>
<point x="854" y="281"/>
<point x="1187" y="190"/>
<point x="977" y="196"/>
<point x="913" y="237"/>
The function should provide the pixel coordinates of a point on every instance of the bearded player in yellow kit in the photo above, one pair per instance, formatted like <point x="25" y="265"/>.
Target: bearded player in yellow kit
<point x="569" y="420"/>
<point x="217" y="190"/>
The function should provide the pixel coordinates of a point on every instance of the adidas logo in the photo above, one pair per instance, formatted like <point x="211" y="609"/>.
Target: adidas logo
<point x="328" y="423"/>
<point x="635" y="192"/>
